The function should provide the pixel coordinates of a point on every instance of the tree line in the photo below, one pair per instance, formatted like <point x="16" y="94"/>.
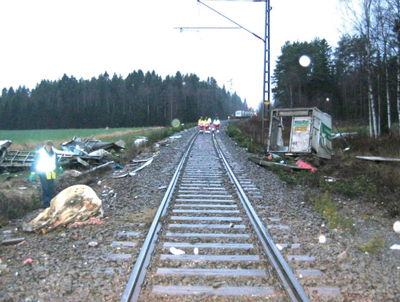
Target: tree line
<point x="138" y="100"/>
<point x="359" y="81"/>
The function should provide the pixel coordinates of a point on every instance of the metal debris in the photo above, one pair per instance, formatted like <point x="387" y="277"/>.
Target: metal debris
<point x="175" y="251"/>
<point x="83" y="151"/>
<point x="379" y="158"/>
<point x="82" y="146"/>
<point x="140" y="141"/>
<point x="12" y="241"/>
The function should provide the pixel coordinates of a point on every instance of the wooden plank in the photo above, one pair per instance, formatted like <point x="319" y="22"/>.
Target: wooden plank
<point x="302" y="273"/>
<point x="210" y="272"/>
<point x="124" y="243"/>
<point x="222" y="218"/>
<point x="287" y="245"/>
<point x="124" y="233"/>
<point x="207" y="211"/>
<point x="205" y="205"/>
<point x="324" y="291"/>
<point x="186" y="176"/>
<point x="201" y="174"/>
<point x="279" y="227"/>
<point x="209" y="245"/>
<point x="205" y="195"/>
<point x="211" y="257"/>
<point x="210" y="182"/>
<point x="201" y="183"/>
<point x="207" y="226"/>
<point x="300" y="258"/>
<point x="184" y="187"/>
<point x="209" y="290"/>
<point x="119" y="256"/>
<point x="274" y="219"/>
<point x="205" y="235"/>
<point x="200" y="191"/>
<point x="203" y="200"/>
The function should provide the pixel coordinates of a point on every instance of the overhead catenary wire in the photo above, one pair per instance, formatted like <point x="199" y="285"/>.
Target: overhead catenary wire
<point x="242" y="27"/>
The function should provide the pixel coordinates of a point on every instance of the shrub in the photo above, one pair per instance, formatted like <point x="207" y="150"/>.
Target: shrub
<point x="329" y="211"/>
<point x="373" y="246"/>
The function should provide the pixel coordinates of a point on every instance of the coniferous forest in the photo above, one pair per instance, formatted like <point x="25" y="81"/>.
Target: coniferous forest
<point x="141" y="99"/>
<point x="359" y="80"/>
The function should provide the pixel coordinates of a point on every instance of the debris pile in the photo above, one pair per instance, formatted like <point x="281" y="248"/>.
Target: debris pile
<point x="74" y="204"/>
<point x="83" y="151"/>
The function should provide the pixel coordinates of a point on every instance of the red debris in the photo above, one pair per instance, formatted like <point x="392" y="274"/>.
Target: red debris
<point x="90" y="221"/>
<point x="302" y="164"/>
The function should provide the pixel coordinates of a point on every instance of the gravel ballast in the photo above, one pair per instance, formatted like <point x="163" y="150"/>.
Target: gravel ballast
<point x="93" y="262"/>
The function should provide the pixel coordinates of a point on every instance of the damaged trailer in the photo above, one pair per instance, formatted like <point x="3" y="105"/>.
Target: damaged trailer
<point x="300" y="131"/>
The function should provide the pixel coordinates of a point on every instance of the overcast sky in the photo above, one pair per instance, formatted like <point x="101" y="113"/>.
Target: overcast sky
<point x="44" y="39"/>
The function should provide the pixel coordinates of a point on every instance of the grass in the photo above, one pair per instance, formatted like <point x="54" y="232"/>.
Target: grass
<point x="373" y="246"/>
<point x="14" y="205"/>
<point x="328" y="209"/>
<point x="354" y="178"/>
<point x="30" y="139"/>
<point x="244" y="140"/>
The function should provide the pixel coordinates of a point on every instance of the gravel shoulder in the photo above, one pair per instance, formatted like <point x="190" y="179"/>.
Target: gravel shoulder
<point x="65" y="268"/>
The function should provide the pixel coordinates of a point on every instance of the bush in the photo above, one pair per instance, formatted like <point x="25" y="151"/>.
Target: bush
<point x="373" y="246"/>
<point x="243" y="140"/>
<point x="328" y="209"/>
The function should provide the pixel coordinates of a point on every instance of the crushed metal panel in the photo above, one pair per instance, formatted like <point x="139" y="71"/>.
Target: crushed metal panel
<point x="81" y="146"/>
<point x="310" y="131"/>
<point x="300" y="140"/>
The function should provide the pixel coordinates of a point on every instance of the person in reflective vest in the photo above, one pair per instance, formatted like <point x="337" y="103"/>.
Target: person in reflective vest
<point x="207" y="123"/>
<point x="45" y="164"/>
<point x="201" y="124"/>
<point x="216" y="124"/>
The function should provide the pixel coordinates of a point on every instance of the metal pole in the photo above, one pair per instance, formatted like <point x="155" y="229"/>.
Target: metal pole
<point x="269" y="58"/>
<point x="266" y="98"/>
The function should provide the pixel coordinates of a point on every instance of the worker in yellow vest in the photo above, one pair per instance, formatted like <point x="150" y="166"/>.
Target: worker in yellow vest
<point x="200" y="123"/>
<point x="45" y="164"/>
<point x="216" y="124"/>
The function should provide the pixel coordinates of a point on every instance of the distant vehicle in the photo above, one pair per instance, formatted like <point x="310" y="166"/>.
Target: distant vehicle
<point x="244" y="114"/>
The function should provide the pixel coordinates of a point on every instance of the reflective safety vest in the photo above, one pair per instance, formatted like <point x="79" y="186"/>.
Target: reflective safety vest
<point x="47" y="164"/>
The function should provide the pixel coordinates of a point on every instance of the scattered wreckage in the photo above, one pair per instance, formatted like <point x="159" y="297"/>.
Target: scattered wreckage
<point x="86" y="152"/>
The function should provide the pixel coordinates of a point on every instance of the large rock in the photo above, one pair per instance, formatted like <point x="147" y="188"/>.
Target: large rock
<point x="74" y="204"/>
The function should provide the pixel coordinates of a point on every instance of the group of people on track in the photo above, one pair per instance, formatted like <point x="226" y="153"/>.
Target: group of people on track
<point x="206" y="125"/>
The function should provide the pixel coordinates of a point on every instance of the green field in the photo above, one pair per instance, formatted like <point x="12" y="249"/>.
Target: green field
<point x="28" y="139"/>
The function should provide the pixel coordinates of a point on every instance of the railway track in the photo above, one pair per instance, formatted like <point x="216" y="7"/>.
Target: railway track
<point x="228" y="254"/>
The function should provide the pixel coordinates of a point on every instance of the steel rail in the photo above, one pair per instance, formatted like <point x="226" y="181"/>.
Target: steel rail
<point x="289" y="281"/>
<point x="132" y="289"/>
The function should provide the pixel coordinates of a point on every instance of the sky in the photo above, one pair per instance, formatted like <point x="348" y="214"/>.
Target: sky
<point x="45" y="39"/>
